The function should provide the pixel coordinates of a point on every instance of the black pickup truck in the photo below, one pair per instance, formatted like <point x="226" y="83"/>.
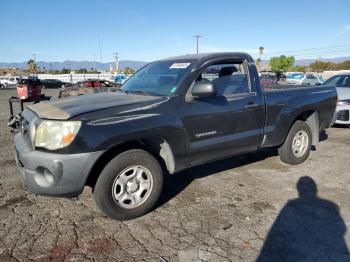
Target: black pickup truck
<point x="172" y="114"/>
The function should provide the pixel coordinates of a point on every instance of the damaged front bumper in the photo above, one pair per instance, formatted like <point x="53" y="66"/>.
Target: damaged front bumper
<point x="53" y="174"/>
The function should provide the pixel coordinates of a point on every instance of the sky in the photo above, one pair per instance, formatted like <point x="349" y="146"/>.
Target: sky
<point x="149" y="30"/>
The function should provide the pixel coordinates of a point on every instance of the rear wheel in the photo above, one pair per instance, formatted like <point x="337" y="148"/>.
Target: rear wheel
<point x="296" y="148"/>
<point x="129" y="185"/>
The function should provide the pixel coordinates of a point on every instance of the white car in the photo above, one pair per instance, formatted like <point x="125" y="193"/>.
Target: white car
<point x="342" y="83"/>
<point x="9" y="81"/>
<point x="304" y="79"/>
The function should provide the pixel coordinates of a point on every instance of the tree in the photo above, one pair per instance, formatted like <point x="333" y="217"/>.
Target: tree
<point x="321" y="66"/>
<point x="282" y="63"/>
<point x="65" y="71"/>
<point x="299" y="68"/>
<point x="128" y="71"/>
<point x="31" y="66"/>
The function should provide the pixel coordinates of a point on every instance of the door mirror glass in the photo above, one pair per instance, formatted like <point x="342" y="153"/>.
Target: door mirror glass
<point x="203" y="90"/>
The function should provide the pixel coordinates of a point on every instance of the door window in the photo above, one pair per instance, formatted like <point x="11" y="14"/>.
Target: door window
<point x="228" y="78"/>
<point x="345" y="82"/>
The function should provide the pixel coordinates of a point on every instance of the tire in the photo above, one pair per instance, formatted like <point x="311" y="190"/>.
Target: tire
<point x="114" y="197"/>
<point x="296" y="155"/>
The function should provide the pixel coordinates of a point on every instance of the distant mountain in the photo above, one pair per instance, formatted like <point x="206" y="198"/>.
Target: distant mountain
<point x="73" y="65"/>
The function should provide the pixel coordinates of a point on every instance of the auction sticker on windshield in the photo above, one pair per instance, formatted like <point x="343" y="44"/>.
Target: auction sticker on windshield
<point x="179" y="65"/>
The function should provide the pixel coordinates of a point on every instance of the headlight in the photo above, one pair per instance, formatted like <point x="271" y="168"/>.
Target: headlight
<point x="56" y="134"/>
<point x="343" y="103"/>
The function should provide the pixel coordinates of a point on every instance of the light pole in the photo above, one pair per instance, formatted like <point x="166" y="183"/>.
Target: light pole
<point x="261" y="52"/>
<point x="116" y="61"/>
<point x="197" y="41"/>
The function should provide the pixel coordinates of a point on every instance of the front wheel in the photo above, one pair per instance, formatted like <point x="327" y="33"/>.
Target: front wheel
<point x="296" y="148"/>
<point x="129" y="185"/>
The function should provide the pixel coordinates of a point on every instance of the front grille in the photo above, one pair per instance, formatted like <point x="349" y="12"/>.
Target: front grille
<point x="343" y="115"/>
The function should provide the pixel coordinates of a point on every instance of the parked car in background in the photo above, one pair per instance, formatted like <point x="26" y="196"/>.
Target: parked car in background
<point x="53" y="83"/>
<point x="88" y="86"/>
<point x="12" y="81"/>
<point x="29" y="88"/>
<point x="280" y="76"/>
<point x="342" y="83"/>
<point x="268" y="80"/>
<point x="304" y="79"/>
<point x="120" y="78"/>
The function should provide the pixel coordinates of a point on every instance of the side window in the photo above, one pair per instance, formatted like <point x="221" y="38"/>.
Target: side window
<point x="228" y="78"/>
<point x="310" y="77"/>
<point x="346" y="82"/>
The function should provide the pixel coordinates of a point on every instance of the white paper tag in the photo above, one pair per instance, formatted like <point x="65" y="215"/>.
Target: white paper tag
<point x="179" y="65"/>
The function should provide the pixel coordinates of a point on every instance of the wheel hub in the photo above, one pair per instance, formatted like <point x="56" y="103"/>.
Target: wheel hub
<point x="132" y="186"/>
<point x="300" y="143"/>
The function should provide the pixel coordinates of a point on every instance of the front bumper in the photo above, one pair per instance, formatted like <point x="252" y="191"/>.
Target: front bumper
<point x="53" y="174"/>
<point x="342" y="115"/>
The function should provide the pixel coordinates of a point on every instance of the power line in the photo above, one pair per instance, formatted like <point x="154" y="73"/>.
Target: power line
<point x="331" y="52"/>
<point x="325" y="48"/>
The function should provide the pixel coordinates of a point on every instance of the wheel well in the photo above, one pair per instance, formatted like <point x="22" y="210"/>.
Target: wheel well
<point x="312" y="119"/>
<point x="156" y="146"/>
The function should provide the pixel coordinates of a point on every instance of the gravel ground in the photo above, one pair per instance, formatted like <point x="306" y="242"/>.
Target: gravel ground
<point x="248" y="208"/>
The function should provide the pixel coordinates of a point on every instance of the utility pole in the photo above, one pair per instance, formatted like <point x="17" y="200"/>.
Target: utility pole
<point x="197" y="40"/>
<point x="116" y="61"/>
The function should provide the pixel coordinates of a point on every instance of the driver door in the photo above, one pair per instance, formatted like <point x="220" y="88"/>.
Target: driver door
<point x="227" y="124"/>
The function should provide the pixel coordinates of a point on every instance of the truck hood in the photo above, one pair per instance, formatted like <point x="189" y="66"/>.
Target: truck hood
<point x="69" y="107"/>
<point x="343" y="93"/>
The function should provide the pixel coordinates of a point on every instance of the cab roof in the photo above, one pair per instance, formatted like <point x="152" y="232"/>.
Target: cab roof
<point x="210" y="56"/>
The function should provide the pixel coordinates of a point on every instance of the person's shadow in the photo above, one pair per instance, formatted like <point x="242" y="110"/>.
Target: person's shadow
<point x="307" y="229"/>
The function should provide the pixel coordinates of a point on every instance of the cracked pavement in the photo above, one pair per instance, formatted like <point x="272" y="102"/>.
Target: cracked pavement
<point x="218" y="212"/>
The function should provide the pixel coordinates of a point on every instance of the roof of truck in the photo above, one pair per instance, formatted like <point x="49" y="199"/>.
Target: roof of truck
<point x="205" y="56"/>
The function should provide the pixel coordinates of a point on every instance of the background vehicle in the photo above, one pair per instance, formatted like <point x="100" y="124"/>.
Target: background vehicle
<point x="87" y="87"/>
<point x="170" y="115"/>
<point x="280" y="76"/>
<point x="342" y="83"/>
<point x="53" y="83"/>
<point x="12" y="81"/>
<point x="304" y="79"/>
<point x="120" y="78"/>
<point x="29" y="88"/>
<point x="268" y="79"/>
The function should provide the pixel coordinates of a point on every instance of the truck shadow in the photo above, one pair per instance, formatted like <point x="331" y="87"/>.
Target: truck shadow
<point x="176" y="183"/>
<point x="308" y="228"/>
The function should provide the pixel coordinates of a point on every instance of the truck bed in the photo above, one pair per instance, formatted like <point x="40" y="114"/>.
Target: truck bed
<point x="286" y="102"/>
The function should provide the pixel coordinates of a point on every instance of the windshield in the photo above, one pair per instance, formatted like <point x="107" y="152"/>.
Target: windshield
<point x="295" y="76"/>
<point x="158" y="78"/>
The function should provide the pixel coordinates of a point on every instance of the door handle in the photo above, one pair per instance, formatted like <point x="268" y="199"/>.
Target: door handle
<point x="250" y="105"/>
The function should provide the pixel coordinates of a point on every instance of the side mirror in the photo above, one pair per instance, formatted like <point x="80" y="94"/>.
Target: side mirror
<point x="203" y="90"/>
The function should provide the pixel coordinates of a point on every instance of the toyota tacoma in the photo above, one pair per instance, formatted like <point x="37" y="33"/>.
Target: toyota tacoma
<point x="171" y="115"/>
